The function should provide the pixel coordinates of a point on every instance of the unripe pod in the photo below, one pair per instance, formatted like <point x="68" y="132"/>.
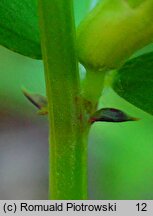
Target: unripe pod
<point x="113" y="31"/>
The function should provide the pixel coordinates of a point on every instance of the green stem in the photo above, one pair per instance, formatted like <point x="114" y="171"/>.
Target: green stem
<point x="68" y="142"/>
<point x="92" y="87"/>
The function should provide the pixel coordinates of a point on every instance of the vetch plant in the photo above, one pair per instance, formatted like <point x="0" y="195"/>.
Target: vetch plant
<point x="103" y="42"/>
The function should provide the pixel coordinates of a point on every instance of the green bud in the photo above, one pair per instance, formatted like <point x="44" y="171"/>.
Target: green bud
<point x="113" y="31"/>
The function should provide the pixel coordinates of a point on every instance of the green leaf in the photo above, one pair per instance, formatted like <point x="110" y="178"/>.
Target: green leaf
<point x="19" y="27"/>
<point x="134" y="82"/>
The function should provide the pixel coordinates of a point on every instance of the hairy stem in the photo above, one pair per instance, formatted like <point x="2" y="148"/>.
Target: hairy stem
<point x="68" y="142"/>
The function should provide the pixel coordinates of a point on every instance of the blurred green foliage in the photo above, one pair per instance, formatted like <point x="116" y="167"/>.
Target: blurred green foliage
<point x="120" y="154"/>
<point x="16" y="72"/>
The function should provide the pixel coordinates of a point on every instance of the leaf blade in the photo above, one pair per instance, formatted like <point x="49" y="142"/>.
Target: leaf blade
<point x="19" y="30"/>
<point x="134" y="82"/>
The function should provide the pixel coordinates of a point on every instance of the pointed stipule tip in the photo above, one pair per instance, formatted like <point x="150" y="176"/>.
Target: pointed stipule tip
<point x="24" y="91"/>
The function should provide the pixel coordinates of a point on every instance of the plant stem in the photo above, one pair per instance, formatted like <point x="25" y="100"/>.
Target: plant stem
<point x="92" y="87"/>
<point x="68" y="142"/>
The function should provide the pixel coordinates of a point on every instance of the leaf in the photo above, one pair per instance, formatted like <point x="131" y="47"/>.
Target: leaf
<point x="19" y="27"/>
<point x="134" y="82"/>
<point x="110" y="115"/>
